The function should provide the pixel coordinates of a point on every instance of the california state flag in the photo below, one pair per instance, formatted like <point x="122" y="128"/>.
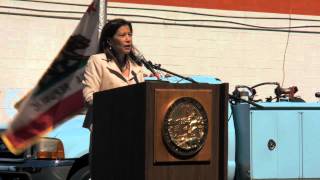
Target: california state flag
<point x="58" y="94"/>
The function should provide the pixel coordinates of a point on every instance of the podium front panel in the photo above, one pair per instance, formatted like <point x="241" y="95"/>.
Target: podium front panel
<point x="131" y="131"/>
<point x="164" y="99"/>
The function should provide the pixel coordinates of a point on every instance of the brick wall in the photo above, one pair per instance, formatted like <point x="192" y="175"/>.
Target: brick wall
<point x="209" y="45"/>
<point x="29" y="42"/>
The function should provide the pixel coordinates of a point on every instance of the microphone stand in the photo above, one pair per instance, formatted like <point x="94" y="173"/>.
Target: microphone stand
<point x="158" y="67"/>
<point x="152" y="66"/>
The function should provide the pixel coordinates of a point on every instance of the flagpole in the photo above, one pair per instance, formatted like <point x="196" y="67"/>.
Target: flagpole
<point x="102" y="15"/>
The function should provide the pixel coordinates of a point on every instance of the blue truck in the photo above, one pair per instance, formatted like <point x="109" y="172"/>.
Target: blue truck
<point x="276" y="139"/>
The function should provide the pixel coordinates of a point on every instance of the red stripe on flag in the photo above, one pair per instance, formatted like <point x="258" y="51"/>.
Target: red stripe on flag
<point x="27" y="135"/>
<point x="305" y="7"/>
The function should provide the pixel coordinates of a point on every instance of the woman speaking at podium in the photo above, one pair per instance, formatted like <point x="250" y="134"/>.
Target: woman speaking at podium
<point x="115" y="65"/>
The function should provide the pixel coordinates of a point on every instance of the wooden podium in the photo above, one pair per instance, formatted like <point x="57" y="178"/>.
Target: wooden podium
<point x="160" y="131"/>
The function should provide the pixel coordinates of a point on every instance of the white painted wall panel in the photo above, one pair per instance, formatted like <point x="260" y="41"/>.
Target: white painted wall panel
<point x="222" y="47"/>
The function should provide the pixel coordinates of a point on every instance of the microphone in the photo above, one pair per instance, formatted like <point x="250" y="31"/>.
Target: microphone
<point x="147" y="64"/>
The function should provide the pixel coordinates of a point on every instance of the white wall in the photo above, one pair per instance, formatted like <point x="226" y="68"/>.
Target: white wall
<point x="29" y="43"/>
<point x="237" y="56"/>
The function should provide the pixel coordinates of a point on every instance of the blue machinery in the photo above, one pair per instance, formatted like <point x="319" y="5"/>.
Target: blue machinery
<point x="276" y="140"/>
<point x="279" y="141"/>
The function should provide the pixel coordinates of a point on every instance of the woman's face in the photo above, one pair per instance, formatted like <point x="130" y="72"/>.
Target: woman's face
<point x="122" y="40"/>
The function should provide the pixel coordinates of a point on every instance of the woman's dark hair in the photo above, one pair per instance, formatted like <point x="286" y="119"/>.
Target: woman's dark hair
<point x="109" y="30"/>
